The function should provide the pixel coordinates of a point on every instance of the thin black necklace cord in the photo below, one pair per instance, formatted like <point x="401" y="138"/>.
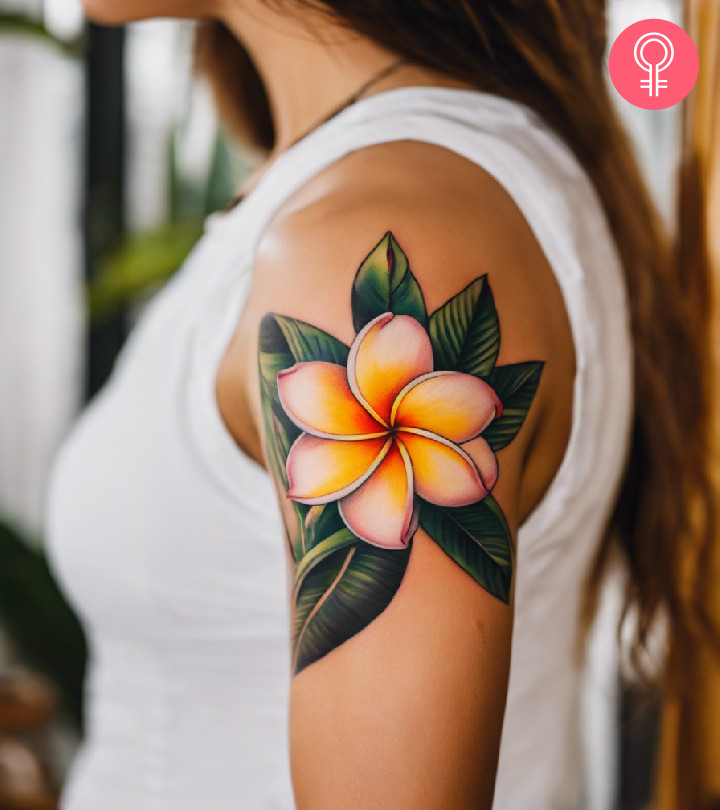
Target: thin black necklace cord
<point x="346" y="103"/>
<point x="351" y="99"/>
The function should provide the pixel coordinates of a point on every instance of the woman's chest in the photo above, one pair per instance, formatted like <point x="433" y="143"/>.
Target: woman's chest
<point x="157" y="522"/>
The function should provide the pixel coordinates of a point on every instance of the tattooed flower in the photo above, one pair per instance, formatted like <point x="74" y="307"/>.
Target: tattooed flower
<point x="385" y="429"/>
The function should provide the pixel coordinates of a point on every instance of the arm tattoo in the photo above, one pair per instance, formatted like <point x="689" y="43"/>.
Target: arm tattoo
<point x="396" y="431"/>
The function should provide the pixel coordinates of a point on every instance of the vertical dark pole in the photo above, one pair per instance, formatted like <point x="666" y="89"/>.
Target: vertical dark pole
<point x="639" y="735"/>
<point x="104" y="182"/>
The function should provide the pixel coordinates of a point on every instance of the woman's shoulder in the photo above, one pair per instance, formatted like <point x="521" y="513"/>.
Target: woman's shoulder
<point x="455" y="224"/>
<point x="462" y="219"/>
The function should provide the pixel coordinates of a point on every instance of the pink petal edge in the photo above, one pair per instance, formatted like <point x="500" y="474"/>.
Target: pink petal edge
<point x="410" y="513"/>
<point x="487" y="389"/>
<point x="290" y="411"/>
<point x="333" y="496"/>
<point x="414" y="330"/>
<point x="471" y="465"/>
<point x="386" y="317"/>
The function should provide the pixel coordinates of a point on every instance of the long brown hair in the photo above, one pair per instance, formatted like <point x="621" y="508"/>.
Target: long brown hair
<point x="549" y="55"/>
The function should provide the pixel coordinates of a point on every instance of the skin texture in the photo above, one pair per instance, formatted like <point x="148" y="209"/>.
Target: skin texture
<point x="408" y="712"/>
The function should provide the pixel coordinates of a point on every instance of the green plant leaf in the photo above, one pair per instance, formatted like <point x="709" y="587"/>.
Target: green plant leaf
<point x="320" y="551"/>
<point x="279" y="447"/>
<point x="284" y="342"/>
<point x="341" y="595"/>
<point x="384" y="283"/>
<point x="325" y="532"/>
<point x="139" y="266"/>
<point x="22" y="25"/>
<point x="38" y="621"/>
<point x="465" y="331"/>
<point x="274" y="355"/>
<point x="307" y="342"/>
<point x="477" y="538"/>
<point x="516" y="385"/>
<point x="322" y="521"/>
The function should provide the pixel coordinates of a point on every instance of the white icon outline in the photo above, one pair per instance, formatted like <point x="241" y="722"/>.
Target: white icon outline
<point x="654" y="82"/>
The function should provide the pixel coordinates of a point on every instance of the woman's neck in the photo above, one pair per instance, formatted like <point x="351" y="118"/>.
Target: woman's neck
<point x="309" y="65"/>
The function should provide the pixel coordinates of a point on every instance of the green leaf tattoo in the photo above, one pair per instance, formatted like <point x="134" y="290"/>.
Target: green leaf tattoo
<point x="516" y="386"/>
<point x="384" y="283"/>
<point x="396" y="431"/>
<point x="476" y="537"/>
<point x="342" y="596"/>
<point x="465" y="331"/>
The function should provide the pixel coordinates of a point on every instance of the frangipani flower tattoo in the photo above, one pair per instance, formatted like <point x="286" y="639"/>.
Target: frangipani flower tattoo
<point x="398" y="430"/>
<point x="386" y="427"/>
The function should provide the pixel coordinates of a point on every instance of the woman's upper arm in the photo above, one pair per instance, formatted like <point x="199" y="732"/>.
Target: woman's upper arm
<point x="398" y="393"/>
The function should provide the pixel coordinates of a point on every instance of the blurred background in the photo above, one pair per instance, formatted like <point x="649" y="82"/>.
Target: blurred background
<point x="111" y="158"/>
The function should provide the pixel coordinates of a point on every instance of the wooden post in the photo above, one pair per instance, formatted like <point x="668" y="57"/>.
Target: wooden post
<point x="689" y="760"/>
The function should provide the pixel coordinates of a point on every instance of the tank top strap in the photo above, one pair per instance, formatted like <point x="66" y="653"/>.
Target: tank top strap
<point x="513" y="144"/>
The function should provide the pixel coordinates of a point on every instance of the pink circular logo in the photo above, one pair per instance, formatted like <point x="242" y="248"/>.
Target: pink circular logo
<point x="653" y="64"/>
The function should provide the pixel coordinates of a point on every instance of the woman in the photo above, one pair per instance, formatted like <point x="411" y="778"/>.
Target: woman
<point x="424" y="333"/>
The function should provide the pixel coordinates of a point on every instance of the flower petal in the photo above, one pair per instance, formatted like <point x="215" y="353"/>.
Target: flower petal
<point x="323" y="470"/>
<point x="387" y="353"/>
<point x="455" y="405"/>
<point x="444" y="474"/>
<point x="318" y="399"/>
<point x="485" y="460"/>
<point x="380" y="511"/>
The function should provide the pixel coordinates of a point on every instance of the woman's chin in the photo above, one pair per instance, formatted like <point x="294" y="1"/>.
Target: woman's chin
<point x="110" y="12"/>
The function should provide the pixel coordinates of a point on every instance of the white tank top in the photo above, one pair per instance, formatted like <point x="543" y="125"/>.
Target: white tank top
<point x="168" y="540"/>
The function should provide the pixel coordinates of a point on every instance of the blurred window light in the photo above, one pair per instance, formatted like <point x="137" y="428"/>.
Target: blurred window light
<point x="64" y="19"/>
<point x="41" y="319"/>
<point x="157" y="82"/>
<point x="654" y="132"/>
<point x="195" y="137"/>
